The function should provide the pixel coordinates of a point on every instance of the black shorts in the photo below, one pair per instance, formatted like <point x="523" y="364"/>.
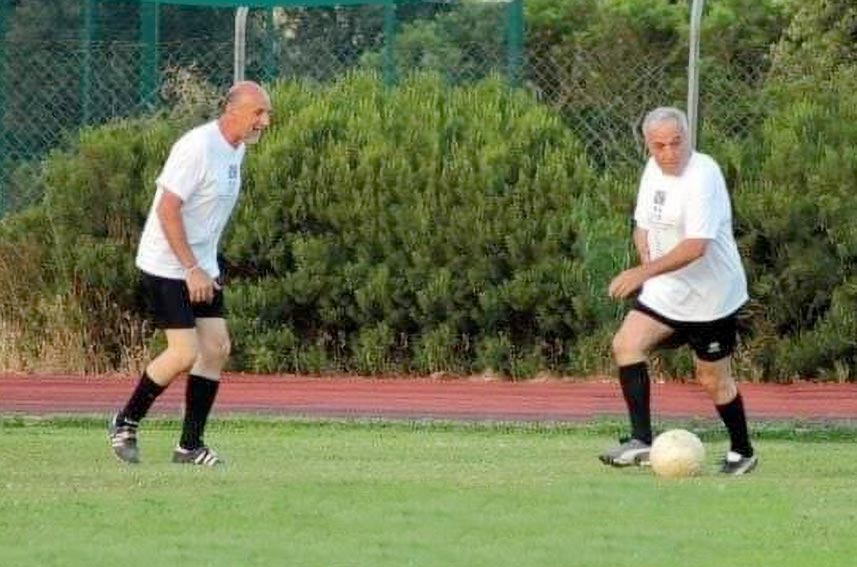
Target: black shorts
<point x="710" y="340"/>
<point x="169" y="303"/>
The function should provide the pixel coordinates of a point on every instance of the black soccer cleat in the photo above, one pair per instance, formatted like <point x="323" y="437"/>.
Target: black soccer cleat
<point x="736" y="464"/>
<point x="629" y="452"/>
<point x="123" y="439"/>
<point x="202" y="456"/>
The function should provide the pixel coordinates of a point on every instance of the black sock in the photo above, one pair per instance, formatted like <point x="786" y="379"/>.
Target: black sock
<point x="141" y="400"/>
<point x="735" y="419"/>
<point x="199" y="397"/>
<point x="634" y="380"/>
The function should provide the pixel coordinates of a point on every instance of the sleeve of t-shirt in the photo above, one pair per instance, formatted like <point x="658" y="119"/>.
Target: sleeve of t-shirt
<point x="183" y="171"/>
<point x="640" y="215"/>
<point x="705" y="211"/>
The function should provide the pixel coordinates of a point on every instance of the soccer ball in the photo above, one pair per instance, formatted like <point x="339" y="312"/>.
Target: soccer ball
<point x="677" y="453"/>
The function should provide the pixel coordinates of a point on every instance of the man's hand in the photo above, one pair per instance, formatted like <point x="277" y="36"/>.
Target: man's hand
<point x="627" y="282"/>
<point x="687" y="251"/>
<point x="200" y="285"/>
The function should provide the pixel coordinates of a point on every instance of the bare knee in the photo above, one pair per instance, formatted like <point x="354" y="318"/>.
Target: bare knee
<point x="175" y="359"/>
<point x="626" y="350"/>
<point x="182" y="356"/>
<point x="214" y="351"/>
<point x="636" y="337"/>
<point x="717" y="383"/>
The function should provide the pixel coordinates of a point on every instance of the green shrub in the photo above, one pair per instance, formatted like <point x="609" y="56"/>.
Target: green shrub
<point x="420" y="215"/>
<point x="379" y="230"/>
<point x="797" y="232"/>
<point x="439" y="350"/>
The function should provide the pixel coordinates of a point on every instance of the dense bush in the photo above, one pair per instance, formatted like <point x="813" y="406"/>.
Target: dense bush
<point x="797" y="219"/>
<point x="69" y="258"/>
<point x="420" y="228"/>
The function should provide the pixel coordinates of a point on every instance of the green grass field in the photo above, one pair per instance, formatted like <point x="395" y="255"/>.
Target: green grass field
<point x="377" y="494"/>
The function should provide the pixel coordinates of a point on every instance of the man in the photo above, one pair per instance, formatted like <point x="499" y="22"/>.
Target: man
<point x="691" y="285"/>
<point x="196" y="192"/>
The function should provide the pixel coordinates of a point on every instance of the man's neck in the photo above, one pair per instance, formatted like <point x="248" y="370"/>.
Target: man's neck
<point x="227" y="131"/>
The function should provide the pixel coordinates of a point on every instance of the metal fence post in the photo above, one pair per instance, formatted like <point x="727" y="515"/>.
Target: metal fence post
<point x="4" y="155"/>
<point x="693" y="72"/>
<point x="149" y="69"/>
<point x="240" y="62"/>
<point x="86" y="62"/>
<point x="514" y="40"/>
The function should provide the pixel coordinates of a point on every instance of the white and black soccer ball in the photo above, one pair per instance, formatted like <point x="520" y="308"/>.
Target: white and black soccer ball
<point x="677" y="453"/>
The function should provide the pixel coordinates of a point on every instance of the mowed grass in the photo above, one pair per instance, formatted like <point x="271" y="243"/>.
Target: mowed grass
<point x="373" y="494"/>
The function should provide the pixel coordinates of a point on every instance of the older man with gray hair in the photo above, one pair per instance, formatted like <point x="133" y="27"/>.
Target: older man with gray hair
<point x="195" y="195"/>
<point x="689" y="287"/>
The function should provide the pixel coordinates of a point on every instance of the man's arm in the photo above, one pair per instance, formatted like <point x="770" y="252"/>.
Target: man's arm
<point x="199" y="284"/>
<point x="684" y="253"/>
<point x="641" y="242"/>
<point x="170" y="215"/>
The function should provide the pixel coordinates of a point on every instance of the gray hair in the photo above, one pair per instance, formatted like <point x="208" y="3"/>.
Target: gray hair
<point x="240" y="90"/>
<point x="666" y="114"/>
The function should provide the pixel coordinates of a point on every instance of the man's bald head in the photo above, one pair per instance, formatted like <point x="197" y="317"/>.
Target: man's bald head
<point x="246" y="112"/>
<point x="241" y="91"/>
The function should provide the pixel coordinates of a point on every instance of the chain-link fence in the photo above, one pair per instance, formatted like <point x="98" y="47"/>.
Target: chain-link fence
<point x="65" y="64"/>
<point x="604" y="99"/>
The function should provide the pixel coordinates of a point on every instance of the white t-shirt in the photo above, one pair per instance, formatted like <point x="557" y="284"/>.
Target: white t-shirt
<point x="204" y="170"/>
<point x="692" y="205"/>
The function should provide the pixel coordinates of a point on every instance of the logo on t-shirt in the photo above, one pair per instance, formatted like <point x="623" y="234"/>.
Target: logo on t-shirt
<point x="232" y="179"/>
<point x="658" y="204"/>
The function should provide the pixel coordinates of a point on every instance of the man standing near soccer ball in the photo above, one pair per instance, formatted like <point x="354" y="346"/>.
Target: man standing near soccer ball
<point x="196" y="193"/>
<point x="691" y="285"/>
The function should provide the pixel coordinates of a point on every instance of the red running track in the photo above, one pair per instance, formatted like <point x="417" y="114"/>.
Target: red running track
<point x="422" y="398"/>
